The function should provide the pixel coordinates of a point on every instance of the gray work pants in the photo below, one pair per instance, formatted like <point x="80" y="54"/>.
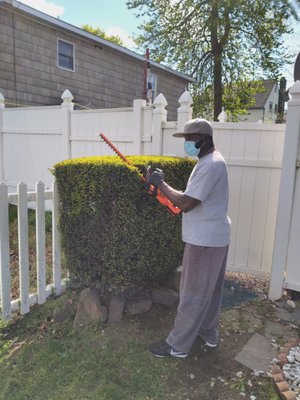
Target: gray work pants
<point x="201" y="289"/>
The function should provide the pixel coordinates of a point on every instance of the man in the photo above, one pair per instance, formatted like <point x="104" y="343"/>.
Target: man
<point x="206" y="233"/>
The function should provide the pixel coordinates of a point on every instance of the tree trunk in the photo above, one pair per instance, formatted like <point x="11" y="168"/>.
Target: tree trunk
<point x="217" y="86"/>
<point x="217" y="59"/>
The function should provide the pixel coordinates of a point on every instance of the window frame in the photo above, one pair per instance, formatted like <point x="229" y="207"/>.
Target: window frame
<point x="271" y="106"/>
<point x="73" y="54"/>
<point x="154" y="90"/>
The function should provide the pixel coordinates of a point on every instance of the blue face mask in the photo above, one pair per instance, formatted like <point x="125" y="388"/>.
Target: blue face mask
<point x="190" y="149"/>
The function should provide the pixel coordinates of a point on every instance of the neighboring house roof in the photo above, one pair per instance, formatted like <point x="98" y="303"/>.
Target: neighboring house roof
<point x="262" y="97"/>
<point x="78" y="31"/>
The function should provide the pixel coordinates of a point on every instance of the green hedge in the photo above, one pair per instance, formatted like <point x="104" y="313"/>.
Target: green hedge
<point x="113" y="231"/>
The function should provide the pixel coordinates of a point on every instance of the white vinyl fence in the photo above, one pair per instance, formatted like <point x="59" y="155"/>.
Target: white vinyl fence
<point x="285" y="271"/>
<point x="33" y="139"/>
<point x="21" y="199"/>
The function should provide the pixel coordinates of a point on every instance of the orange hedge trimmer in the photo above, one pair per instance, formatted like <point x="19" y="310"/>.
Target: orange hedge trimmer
<point x="153" y="191"/>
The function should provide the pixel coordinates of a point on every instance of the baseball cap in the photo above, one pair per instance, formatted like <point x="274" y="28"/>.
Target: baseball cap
<point x="197" y="125"/>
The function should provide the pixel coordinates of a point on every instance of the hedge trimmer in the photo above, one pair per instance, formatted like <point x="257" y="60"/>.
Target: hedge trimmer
<point x="174" y="210"/>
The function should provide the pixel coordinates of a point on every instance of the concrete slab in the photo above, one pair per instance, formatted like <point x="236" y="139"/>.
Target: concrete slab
<point x="257" y="354"/>
<point x="276" y="330"/>
<point x="285" y="315"/>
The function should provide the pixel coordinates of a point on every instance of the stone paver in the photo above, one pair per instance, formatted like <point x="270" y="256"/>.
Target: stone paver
<point x="276" y="330"/>
<point x="257" y="354"/>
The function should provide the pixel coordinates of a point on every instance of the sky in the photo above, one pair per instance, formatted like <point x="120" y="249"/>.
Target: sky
<point x="114" y="17"/>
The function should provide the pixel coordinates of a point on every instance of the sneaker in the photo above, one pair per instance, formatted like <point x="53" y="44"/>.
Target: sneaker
<point x="212" y="345"/>
<point x="208" y="344"/>
<point x="163" y="349"/>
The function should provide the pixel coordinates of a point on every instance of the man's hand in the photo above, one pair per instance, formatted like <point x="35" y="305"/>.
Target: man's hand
<point x="153" y="180"/>
<point x="156" y="178"/>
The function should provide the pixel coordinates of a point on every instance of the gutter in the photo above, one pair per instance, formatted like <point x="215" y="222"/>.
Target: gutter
<point x="75" y="30"/>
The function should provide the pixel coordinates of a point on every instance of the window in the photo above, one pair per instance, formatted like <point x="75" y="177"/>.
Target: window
<point x="65" y="55"/>
<point x="271" y="106"/>
<point x="151" y="87"/>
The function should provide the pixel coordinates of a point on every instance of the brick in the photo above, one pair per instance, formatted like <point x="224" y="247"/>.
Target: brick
<point x="282" y="387"/>
<point x="282" y="359"/>
<point x="275" y="369"/>
<point x="278" y="378"/>
<point x="289" y="395"/>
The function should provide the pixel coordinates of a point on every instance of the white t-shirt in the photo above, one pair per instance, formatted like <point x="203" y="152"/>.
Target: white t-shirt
<point x="208" y="224"/>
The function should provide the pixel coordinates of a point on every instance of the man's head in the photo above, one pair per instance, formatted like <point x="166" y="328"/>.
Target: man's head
<point x="197" y="134"/>
<point x="194" y="129"/>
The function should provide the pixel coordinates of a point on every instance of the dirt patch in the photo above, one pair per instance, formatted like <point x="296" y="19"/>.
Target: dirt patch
<point x="212" y="375"/>
<point x="215" y="374"/>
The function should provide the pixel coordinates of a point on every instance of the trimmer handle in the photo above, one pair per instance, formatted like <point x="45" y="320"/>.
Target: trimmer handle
<point x="151" y="189"/>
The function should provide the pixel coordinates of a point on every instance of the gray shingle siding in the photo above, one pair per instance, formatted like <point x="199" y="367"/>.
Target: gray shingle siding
<point x="104" y="77"/>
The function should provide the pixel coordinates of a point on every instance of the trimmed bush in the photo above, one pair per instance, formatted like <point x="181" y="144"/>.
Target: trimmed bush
<point x="113" y="231"/>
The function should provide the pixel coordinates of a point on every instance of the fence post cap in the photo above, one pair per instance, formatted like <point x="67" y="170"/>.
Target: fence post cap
<point x="222" y="117"/>
<point x="21" y="183"/>
<point x="67" y="96"/>
<point x="160" y="101"/>
<point x="185" y="98"/>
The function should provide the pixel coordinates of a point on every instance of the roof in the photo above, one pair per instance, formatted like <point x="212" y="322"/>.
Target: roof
<point x="262" y="97"/>
<point x="78" y="31"/>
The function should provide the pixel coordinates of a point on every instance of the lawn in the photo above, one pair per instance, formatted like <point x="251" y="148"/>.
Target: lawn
<point x="41" y="359"/>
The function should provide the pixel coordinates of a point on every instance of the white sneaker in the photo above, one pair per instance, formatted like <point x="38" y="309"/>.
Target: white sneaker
<point x="211" y="344"/>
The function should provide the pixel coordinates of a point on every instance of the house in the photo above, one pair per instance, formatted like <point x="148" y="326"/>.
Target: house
<point x="41" y="56"/>
<point x="268" y="104"/>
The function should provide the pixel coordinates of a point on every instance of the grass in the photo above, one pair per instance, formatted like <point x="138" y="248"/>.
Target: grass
<point x="41" y="359"/>
<point x="62" y="363"/>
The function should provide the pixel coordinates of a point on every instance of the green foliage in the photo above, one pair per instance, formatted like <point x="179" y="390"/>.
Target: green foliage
<point x="101" y="33"/>
<point x="218" y="43"/>
<point x="12" y="213"/>
<point x="238" y="97"/>
<point x="113" y="231"/>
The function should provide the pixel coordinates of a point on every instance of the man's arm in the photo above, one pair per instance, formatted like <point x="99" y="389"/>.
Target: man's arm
<point x="179" y="199"/>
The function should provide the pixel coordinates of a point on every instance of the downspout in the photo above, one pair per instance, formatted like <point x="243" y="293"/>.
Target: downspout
<point x="14" y="57"/>
<point x="146" y="73"/>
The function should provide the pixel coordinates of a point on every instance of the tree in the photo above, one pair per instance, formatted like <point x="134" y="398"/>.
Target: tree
<point x="222" y="44"/>
<point x="101" y="33"/>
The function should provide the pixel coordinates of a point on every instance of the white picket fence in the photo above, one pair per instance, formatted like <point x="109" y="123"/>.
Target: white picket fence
<point x="21" y="199"/>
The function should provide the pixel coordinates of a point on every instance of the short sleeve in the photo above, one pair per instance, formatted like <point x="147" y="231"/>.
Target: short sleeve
<point x="202" y="181"/>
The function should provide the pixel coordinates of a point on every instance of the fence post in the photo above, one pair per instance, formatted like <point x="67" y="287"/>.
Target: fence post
<point x="67" y="107"/>
<point x="184" y="112"/>
<point x="2" y="106"/>
<point x="286" y="194"/>
<point x="5" y="283"/>
<point x="138" y="109"/>
<point x="56" y="247"/>
<point x="23" y="247"/>
<point x="159" y="117"/>
<point x="40" y="242"/>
